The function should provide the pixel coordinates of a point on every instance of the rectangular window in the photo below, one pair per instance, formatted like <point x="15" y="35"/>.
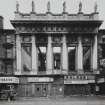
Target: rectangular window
<point x="9" y="38"/>
<point x="71" y="58"/>
<point x="86" y="58"/>
<point x="41" y="39"/>
<point x="26" y="39"/>
<point x="9" y="69"/>
<point x="42" y="58"/>
<point x="9" y="53"/>
<point x="57" y="57"/>
<point x="26" y="57"/>
<point x="103" y="51"/>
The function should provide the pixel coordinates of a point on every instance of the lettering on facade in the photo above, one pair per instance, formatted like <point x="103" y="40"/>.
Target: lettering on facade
<point x="9" y="80"/>
<point x="40" y="79"/>
<point x="79" y="79"/>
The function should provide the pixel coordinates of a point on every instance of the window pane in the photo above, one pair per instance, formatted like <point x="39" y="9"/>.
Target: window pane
<point x="26" y="38"/>
<point x="57" y="57"/>
<point x="86" y="58"/>
<point x="9" y="69"/>
<point x="42" y="58"/>
<point x="71" y="58"/>
<point x="26" y="57"/>
<point x="9" y="53"/>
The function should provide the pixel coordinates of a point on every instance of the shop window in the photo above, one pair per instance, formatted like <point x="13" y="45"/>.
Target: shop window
<point x="71" y="58"/>
<point x="57" y="57"/>
<point x="86" y="58"/>
<point x="37" y="89"/>
<point x="26" y="57"/>
<point x="42" y="58"/>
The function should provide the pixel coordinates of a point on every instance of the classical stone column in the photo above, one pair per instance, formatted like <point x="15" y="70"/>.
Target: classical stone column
<point x="94" y="55"/>
<point x="76" y="58"/>
<point x="34" y="56"/>
<point x="14" y="57"/>
<point x="64" y="56"/>
<point x="80" y="56"/>
<point x="18" y="55"/>
<point x="49" y="56"/>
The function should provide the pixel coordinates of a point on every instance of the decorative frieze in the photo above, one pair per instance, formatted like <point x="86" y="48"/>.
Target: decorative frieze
<point x="52" y="28"/>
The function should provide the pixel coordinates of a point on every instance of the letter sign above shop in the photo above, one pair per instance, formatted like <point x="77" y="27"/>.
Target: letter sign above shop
<point x="40" y="79"/>
<point x="9" y="80"/>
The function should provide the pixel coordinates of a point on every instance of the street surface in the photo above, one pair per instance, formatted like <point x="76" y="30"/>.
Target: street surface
<point x="72" y="100"/>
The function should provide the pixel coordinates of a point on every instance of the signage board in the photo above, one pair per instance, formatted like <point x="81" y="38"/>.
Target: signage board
<point x="9" y="80"/>
<point x="78" y="81"/>
<point x="40" y="79"/>
<point x="101" y="80"/>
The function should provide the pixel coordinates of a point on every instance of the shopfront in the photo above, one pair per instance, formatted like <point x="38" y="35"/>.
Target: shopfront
<point x="79" y="85"/>
<point x="8" y="84"/>
<point x="40" y="87"/>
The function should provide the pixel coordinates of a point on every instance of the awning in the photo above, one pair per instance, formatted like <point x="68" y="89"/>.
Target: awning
<point x="9" y="80"/>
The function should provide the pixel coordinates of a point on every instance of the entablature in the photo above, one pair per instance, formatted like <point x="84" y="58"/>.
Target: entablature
<point x="57" y="29"/>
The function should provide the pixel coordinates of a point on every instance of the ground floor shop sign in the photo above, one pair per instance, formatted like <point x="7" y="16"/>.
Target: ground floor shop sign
<point x="9" y="80"/>
<point x="40" y="79"/>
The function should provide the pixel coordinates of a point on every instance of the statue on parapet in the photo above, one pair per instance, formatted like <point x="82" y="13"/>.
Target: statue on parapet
<point x="17" y="6"/>
<point x="48" y="6"/>
<point x="64" y="6"/>
<point x="80" y="7"/>
<point x="33" y="6"/>
<point x="95" y="7"/>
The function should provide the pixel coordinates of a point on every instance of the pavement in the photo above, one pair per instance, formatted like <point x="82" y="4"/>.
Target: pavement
<point x="71" y="100"/>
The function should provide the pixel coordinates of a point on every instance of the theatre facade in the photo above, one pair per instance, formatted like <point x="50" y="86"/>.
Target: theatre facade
<point x="56" y="54"/>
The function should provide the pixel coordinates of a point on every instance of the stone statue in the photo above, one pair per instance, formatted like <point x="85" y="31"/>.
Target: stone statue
<point x="48" y="6"/>
<point x="17" y="6"/>
<point x="95" y="7"/>
<point x="80" y="6"/>
<point x="64" y="7"/>
<point x="33" y="6"/>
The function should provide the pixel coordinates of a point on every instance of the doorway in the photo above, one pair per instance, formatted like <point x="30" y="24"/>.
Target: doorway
<point x="41" y="90"/>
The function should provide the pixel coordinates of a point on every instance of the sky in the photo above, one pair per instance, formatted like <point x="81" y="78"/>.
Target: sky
<point x="8" y="7"/>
